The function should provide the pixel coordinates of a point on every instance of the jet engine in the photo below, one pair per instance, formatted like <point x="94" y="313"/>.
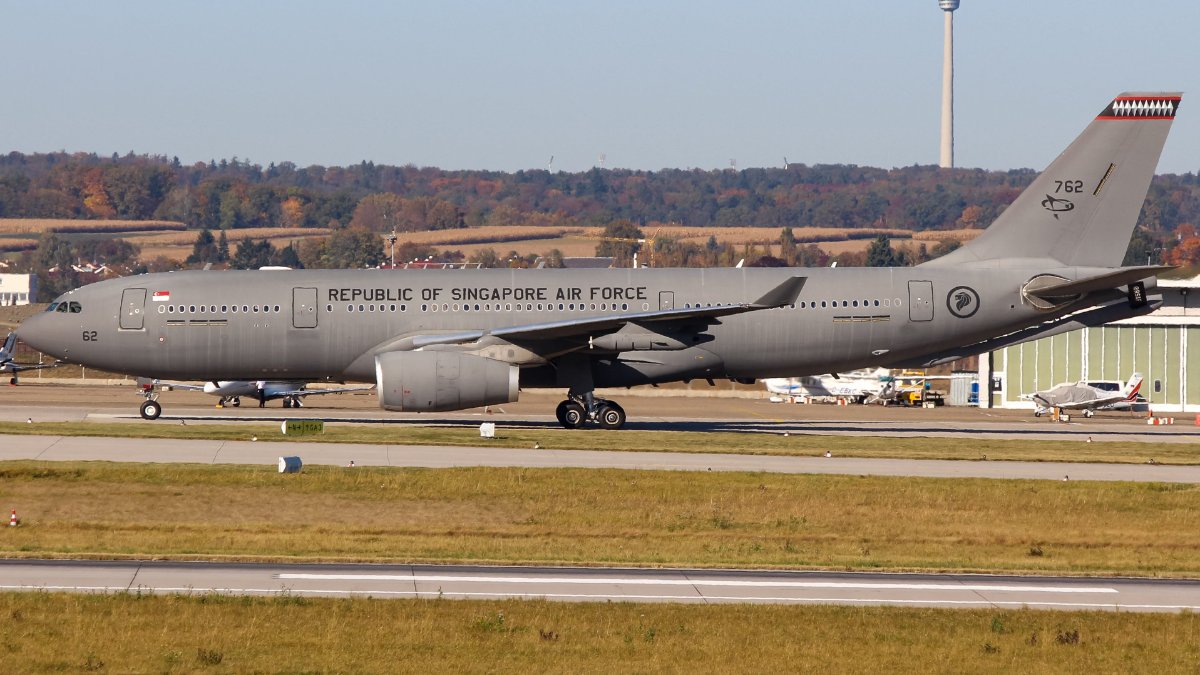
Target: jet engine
<point x="439" y="381"/>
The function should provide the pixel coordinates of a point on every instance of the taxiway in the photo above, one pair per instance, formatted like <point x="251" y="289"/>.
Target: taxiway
<point x="579" y="584"/>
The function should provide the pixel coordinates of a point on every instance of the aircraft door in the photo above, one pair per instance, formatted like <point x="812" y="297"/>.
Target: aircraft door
<point x="133" y="307"/>
<point x="666" y="300"/>
<point x="304" y="307"/>
<point x="920" y="301"/>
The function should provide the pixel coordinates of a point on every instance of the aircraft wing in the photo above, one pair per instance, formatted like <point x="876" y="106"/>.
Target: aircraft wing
<point x="315" y="392"/>
<point x="14" y="367"/>
<point x="782" y="295"/>
<point x="177" y="385"/>
<point x="1067" y="397"/>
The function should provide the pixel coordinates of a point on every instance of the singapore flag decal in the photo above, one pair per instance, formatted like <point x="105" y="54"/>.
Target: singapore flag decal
<point x="162" y="296"/>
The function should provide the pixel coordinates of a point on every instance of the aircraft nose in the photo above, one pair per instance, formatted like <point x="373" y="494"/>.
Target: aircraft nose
<point x="38" y="332"/>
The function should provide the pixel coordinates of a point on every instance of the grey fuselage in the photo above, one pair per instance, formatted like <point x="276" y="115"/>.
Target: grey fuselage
<point x="314" y="325"/>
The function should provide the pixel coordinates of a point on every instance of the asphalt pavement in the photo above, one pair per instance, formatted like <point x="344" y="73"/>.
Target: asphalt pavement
<point x="599" y="584"/>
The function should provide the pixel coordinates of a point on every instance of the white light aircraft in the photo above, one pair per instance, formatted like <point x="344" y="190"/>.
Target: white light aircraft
<point x="860" y="386"/>
<point x="232" y="391"/>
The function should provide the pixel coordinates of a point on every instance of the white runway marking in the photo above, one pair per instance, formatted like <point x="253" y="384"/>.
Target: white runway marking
<point x="737" y="583"/>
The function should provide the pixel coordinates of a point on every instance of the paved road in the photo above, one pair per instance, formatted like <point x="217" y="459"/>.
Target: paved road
<point x="603" y="584"/>
<point x="69" y="448"/>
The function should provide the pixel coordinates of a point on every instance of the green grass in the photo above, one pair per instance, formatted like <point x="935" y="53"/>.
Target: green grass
<point x="652" y="441"/>
<point x="42" y="632"/>
<point x="593" y="516"/>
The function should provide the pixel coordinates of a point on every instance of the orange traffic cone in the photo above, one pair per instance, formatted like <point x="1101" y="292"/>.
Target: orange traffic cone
<point x="12" y="521"/>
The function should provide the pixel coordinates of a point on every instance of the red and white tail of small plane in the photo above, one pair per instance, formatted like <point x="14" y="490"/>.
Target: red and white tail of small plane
<point x="1133" y="387"/>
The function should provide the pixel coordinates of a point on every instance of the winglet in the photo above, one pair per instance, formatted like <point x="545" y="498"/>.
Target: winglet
<point x="783" y="294"/>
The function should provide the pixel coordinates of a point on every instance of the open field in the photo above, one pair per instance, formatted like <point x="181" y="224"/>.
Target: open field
<point x="798" y="444"/>
<point x="178" y="245"/>
<point x="135" y="633"/>
<point x="172" y="240"/>
<point x="595" y="516"/>
<point x="14" y="244"/>
<point x="961" y="236"/>
<point x="72" y="225"/>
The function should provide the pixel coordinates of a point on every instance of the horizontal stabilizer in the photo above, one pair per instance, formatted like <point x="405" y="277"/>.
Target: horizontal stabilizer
<point x="1099" y="282"/>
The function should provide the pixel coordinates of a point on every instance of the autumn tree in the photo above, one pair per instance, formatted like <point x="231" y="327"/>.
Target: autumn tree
<point x="251" y="254"/>
<point x="379" y="212"/>
<point x="620" y="240"/>
<point x="204" y="250"/>
<point x="880" y="254"/>
<point x="353" y="248"/>
<point x="787" y="245"/>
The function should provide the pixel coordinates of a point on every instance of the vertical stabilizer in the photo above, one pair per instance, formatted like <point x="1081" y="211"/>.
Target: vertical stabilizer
<point x="1082" y="209"/>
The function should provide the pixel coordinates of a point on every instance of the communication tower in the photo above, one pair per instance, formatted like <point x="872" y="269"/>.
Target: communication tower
<point x="947" y="156"/>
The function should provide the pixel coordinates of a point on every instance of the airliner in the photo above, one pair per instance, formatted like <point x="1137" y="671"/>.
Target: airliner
<point x="444" y="340"/>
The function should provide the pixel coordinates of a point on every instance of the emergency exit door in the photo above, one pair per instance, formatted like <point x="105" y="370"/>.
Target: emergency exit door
<point x="304" y="307"/>
<point x="133" y="308"/>
<point x="920" y="301"/>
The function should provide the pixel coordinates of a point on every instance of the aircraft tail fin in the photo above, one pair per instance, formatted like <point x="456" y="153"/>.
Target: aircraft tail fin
<point x="1082" y="209"/>
<point x="1133" y="387"/>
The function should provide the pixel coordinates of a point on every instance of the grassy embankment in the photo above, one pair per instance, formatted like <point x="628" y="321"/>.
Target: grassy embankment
<point x="131" y="633"/>
<point x="580" y="516"/>
<point x="752" y="443"/>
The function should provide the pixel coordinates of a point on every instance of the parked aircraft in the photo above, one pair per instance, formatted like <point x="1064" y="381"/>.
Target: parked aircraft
<point x="860" y="386"/>
<point x="451" y="339"/>
<point x="1087" y="397"/>
<point x="232" y="391"/>
<point x="8" y="365"/>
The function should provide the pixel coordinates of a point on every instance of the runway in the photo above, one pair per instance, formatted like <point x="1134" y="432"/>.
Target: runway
<point x="76" y="448"/>
<point x="578" y="584"/>
<point x="83" y="404"/>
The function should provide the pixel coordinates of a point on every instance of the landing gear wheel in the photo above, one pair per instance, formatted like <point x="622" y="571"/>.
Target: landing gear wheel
<point x="1088" y="413"/>
<point x="1037" y="413"/>
<point x="13" y="380"/>
<point x="287" y="402"/>
<point x="611" y="416"/>
<point x="235" y="401"/>
<point x="151" y="410"/>
<point x="570" y="414"/>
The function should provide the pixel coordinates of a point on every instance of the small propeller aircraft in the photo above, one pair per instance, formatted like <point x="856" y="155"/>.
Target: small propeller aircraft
<point x="232" y="391"/>
<point x="8" y="365"/>
<point x="1086" y="397"/>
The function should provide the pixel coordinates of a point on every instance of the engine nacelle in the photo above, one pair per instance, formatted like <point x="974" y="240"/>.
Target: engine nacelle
<point x="440" y="381"/>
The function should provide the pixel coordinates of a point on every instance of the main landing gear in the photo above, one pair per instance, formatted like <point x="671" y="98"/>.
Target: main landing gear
<point x="291" y="402"/>
<point x="579" y="411"/>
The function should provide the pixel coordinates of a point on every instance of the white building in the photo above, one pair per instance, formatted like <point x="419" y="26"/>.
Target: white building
<point x="17" y="289"/>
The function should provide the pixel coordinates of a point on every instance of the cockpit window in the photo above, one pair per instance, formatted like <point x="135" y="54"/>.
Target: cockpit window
<point x="75" y="307"/>
<point x="52" y="307"/>
<point x="63" y="307"/>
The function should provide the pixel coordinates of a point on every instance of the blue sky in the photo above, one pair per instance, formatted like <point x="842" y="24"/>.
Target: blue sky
<point x="506" y="85"/>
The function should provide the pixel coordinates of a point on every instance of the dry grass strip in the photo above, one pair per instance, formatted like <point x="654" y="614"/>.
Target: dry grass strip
<point x="42" y="632"/>
<point x="594" y="516"/>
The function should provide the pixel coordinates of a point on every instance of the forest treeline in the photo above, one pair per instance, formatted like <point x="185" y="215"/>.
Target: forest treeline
<point x="232" y="194"/>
